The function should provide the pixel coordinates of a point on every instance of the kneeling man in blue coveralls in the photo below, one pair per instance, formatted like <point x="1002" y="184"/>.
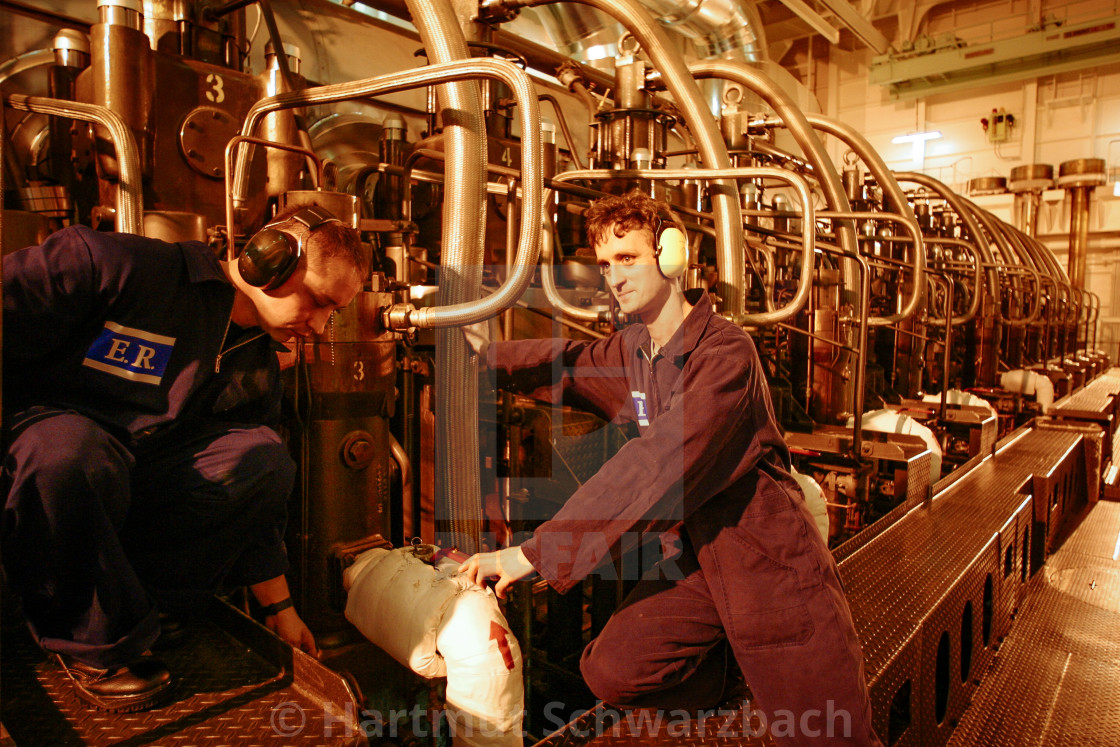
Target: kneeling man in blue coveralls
<point x="141" y="385"/>
<point x="745" y="568"/>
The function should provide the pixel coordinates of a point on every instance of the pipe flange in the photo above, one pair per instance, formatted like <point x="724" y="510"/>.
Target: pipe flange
<point x="987" y="185"/>
<point x="1036" y="176"/>
<point x="1082" y="172"/>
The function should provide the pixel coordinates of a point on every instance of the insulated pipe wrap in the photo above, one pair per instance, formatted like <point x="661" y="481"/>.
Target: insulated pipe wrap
<point x="437" y="623"/>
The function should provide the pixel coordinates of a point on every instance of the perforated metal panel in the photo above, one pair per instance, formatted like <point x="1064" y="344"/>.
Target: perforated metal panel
<point x="1056" y="679"/>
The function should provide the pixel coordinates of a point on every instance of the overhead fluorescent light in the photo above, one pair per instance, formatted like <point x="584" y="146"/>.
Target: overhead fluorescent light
<point x="917" y="137"/>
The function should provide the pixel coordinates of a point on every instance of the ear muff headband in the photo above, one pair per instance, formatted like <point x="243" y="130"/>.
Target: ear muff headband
<point x="670" y="249"/>
<point x="272" y="255"/>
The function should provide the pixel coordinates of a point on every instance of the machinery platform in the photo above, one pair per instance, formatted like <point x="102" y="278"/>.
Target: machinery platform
<point x="236" y="684"/>
<point x="1056" y="678"/>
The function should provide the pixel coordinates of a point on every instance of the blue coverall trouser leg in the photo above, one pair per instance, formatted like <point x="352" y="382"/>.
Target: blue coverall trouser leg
<point x="94" y="530"/>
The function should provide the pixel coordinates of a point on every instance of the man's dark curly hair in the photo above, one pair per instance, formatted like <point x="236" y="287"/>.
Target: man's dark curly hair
<point x="621" y="214"/>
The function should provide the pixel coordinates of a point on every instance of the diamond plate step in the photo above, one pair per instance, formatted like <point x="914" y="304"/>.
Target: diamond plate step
<point x="236" y="684"/>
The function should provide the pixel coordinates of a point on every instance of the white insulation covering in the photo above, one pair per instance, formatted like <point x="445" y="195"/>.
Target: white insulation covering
<point x="959" y="397"/>
<point x="814" y="499"/>
<point x="437" y="623"/>
<point x="1029" y="383"/>
<point x="892" y="421"/>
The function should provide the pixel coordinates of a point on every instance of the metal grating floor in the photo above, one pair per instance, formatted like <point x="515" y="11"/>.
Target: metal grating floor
<point x="226" y="693"/>
<point x="1094" y="397"/>
<point x="897" y="579"/>
<point x="1056" y="679"/>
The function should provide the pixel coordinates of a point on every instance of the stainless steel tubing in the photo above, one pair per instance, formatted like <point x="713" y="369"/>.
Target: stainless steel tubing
<point x="1036" y="297"/>
<point x="977" y="268"/>
<point x="459" y="491"/>
<point x="231" y="147"/>
<point x="130" y="190"/>
<point x="794" y="120"/>
<point x="665" y="57"/>
<point x="958" y="206"/>
<point x="548" y="282"/>
<point x="895" y="197"/>
<point x="808" y="238"/>
<point x="911" y="226"/>
<point x="26" y="61"/>
<point x="400" y="456"/>
<point x="1015" y="255"/>
<point x="531" y="181"/>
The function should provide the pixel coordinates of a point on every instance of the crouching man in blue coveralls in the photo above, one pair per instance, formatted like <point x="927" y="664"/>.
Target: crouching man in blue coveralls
<point x="750" y="572"/>
<point x="141" y="385"/>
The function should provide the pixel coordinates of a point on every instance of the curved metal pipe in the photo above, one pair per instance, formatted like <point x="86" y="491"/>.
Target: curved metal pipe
<point x="26" y="61"/>
<point x="130" y="190"/>
<point x="531" y="165"/>
<point x="548" y="282"/>
<point x="713" y="153"/>
<point x="808" y="238"/>
<point x="1036" y="297"/>
<point x="977" y="267"/>
<point x="994" y="229"/>
<point x="460" y="277"/>
<point x="400" y="456"/>
<point x="956" y="202"/>
<point x="794" y="120"/>
<point x="895" y="197"/>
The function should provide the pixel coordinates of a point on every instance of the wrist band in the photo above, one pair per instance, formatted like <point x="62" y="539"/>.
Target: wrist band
<point x="272" y="609"/>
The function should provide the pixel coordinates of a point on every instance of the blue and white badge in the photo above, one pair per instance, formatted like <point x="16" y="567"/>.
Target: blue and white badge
<point x="130" y="353"/>
<point x="640" y="407"/>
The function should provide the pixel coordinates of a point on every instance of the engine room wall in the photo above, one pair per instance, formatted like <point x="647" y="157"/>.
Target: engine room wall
<point x="1057" y="118"/>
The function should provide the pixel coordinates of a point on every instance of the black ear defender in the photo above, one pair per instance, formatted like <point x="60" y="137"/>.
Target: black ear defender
<point x="272" y="255"/>
<point x="670" y="248"/>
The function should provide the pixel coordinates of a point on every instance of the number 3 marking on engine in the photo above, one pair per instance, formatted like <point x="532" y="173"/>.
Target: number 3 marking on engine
<point x="216" y="93"/>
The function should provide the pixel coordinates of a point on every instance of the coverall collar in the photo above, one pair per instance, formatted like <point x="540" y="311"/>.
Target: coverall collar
<point x="687" y="336"/>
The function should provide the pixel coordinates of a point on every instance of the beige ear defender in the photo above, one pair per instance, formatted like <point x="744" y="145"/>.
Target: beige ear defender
<point x="670" y="249"/>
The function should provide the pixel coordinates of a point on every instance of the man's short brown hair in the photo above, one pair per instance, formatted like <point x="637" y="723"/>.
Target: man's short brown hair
<point x="621" y="214"/>
<point x="330" y="239"/>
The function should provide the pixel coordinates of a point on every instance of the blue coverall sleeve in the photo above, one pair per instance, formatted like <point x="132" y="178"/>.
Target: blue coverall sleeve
<point x="589" y="375"/>
<point x="708" y="439"/>
<point x="48" y="289"/>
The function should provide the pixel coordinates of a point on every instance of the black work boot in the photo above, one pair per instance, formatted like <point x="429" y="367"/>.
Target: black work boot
<point x="133" y="687"/>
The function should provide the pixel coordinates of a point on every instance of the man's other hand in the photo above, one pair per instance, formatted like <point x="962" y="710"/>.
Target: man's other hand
<point x="289" y="626"/>
<point x="506" y="565"/>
